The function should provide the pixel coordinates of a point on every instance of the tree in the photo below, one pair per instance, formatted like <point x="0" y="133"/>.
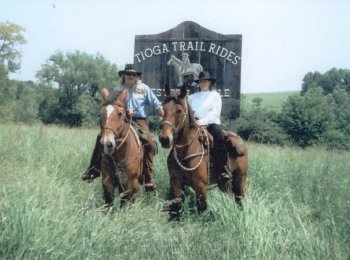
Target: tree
<point x="306" y="118"/>
<point x="10" y="41"/>
<point x="258" y="125"/>
<point x="257" y="101"/>
<point x="74" y="74"/>
<point x="327" y="81"/>
<point x="27" y="97"/>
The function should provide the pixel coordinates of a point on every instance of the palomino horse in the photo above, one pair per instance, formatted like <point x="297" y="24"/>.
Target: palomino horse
<point x="181" y="70"/>
<point x="188" y="160"/>
<point x="122" y="151"/>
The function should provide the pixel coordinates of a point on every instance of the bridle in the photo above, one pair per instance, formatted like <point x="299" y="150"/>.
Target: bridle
<point x="175" y="134"/>
<point x="179" y="126"/>
<point x="120" y="128"/>
<point x="119" y="167"/>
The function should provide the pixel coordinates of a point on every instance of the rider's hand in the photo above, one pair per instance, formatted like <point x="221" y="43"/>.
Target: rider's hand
<point x="129" y="112"/>
<point x="198" y="123"/>
<point x="160" y="111"/>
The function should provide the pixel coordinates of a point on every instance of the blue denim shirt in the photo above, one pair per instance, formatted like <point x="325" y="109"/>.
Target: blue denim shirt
<point x="140" y="99"/>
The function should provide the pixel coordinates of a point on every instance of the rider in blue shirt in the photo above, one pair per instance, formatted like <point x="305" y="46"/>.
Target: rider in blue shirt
<point x="140" y="99"/>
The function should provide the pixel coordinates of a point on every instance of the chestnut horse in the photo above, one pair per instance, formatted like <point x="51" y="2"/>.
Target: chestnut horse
<point x="188" y="161"/>
<point x="122" y="151"/>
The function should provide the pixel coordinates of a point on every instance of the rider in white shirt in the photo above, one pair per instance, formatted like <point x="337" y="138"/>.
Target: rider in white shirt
<point x="206" y="105"/>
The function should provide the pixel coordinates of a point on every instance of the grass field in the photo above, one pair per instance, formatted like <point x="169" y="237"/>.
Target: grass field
<point x="297" y="206"/>
<point x="270" y="101"/>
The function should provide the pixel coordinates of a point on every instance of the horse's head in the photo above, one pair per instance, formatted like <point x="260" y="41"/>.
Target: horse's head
<point x="113" y="118"/>
<point x="175" y="113"/>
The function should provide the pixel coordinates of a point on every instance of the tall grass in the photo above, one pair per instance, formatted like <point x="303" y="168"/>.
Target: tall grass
<point x="297" y="206"/>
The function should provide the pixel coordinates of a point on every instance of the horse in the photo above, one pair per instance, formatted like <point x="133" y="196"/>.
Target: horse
<point x="181" y="70"/>
<point x="122" y="152"/>
<point x="189" y="158"/>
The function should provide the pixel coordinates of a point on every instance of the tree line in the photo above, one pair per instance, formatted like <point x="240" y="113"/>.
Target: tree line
<point x="66" y="93"/>
<point x="320" y="114"/>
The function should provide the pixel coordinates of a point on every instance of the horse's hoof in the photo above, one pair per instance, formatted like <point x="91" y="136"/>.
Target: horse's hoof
<point x="174" y="216"/>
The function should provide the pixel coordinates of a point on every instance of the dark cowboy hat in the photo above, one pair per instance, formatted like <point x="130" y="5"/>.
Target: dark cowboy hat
<point x="204" y="75"/>
<point x="129" y="68"/>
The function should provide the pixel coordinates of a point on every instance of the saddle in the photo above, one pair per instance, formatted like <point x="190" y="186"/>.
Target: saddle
<point x="142" y="135"/>
<point x="234" y="143"/>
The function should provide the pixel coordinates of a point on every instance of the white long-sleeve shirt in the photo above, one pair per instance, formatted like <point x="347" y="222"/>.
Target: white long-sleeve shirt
<point x="207" y="106"/>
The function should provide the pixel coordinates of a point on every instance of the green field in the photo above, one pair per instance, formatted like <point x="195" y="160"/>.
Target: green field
<point x="270" y="101"/>
<point x="297" y="206"/>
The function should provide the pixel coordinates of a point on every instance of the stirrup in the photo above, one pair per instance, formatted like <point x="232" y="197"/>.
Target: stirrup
<point x="225" y="175"/>
<point x="90" y="174"/>
<point x="149" y="186"/>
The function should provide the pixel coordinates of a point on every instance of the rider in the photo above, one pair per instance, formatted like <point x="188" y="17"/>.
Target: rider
<point x="140" y="99"/>
<point x="206" y="105"/>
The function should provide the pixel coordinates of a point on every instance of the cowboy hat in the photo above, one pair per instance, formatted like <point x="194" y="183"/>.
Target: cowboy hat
<point x="204" y="75"/>
<point x="129" y="68"/>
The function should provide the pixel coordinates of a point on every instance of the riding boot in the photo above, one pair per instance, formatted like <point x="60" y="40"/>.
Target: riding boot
<point x="221" y="161"/>
<point x="94" y="169"/>
<point x="220" y="152"/>
<point x="147" y="169"/>
<point x="149" y="152"/>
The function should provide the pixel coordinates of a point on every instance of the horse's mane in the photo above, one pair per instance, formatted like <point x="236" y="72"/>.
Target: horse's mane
<point x="177" y="100"/>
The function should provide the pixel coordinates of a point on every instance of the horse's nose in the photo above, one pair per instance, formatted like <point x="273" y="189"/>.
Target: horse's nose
<point x="109" y="145"/>
<point x="164" y="141"/>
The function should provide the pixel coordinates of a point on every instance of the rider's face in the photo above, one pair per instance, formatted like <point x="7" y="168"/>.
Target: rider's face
<point x="204" y="84"/>
<point x="130" y="79"/>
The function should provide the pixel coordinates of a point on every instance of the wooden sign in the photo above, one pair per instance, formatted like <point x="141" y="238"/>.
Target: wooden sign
<point x="180" y="54"/>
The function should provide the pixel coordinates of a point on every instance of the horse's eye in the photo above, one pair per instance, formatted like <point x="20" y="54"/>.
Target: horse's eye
<point x="179" y="111"/>
<point x="120" y="114"/>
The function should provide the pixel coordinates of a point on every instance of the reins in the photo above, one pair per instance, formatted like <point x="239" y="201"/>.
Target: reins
<point x="176" y="131"/>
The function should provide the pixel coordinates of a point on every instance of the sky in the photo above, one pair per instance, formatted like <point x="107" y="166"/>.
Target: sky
<point x="282" y="40"/>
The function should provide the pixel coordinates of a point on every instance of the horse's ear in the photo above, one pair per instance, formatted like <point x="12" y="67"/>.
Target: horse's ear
<point x="122" y="97"/>
<point x="183" y="91"/>
<point x="167" y="90"/>
<point x="105" y="94"/>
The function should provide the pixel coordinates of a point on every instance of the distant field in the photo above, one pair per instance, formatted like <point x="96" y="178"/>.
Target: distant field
<point x="270" y="101"/>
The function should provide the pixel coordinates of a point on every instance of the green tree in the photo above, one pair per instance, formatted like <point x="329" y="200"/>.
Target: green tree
<point x="48" y="106"/>
<point x="27" y="102"/>
<point x="257" y="101"/>
<point x="306" y="118"/>
<point x="258" y="125"/>
<point x="327" y="81"/>
<point x="7" y="96"/>
<point x="11" y="39"/>
<point x="74" y="74"/>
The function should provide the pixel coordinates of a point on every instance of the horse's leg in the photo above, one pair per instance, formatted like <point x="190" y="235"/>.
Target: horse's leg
<point x="176" y="198"/>
<point x="201" y="193"/>
<point x="108" y="189"/>
<point x="107" y="180"/>
<point x="129" y="194"/>
<point x="239" y="182"/>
